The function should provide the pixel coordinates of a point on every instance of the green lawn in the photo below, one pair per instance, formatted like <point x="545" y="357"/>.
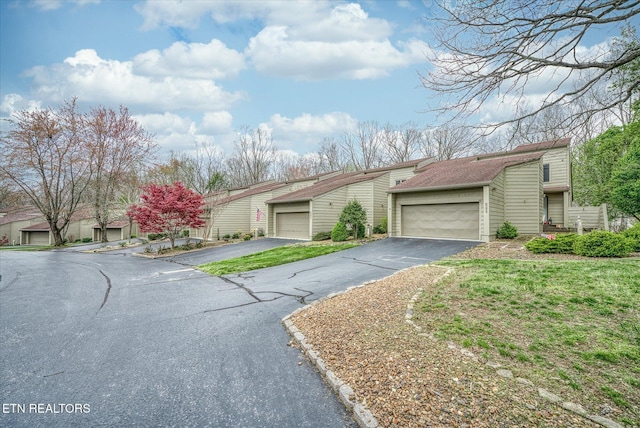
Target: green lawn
<point x="273" y="257"/>
<point x="570" y="326"/>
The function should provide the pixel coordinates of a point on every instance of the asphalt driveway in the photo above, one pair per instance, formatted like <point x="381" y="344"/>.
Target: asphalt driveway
<point x="106" y="340"/>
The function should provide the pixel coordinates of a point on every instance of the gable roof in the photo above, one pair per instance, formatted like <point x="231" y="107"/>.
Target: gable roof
<point x="325" y="186"/>
<point x="462" y="173"/>
<point x="414" y="163"/>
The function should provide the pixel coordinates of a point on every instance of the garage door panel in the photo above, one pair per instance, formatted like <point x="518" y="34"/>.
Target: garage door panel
<point x="292" y="225"/>
<point x="39" y="238"/>
<point x="455" y="221"/>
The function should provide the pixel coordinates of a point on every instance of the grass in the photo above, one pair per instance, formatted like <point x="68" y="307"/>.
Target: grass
<point x="273" y="257"/>
<point x="570" y="326"/>
<point x="27" y="248"/>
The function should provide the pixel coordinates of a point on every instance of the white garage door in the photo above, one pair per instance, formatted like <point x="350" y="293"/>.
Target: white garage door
<point x="455" y="221"/>
<point x="292" y="225"/>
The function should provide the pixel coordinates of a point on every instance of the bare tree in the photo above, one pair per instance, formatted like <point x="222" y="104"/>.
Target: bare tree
<point x="46" y="157"/>
<point x="400" y="143"/>
<point x="363" y="146"/>
<point x="498" y="48"/>
<point x="251" y="159"/>
<point x="448" y="142"/>
<point x="330" y="156"/>
<point x="203" y="170"/>
<point x="118" y="146"/>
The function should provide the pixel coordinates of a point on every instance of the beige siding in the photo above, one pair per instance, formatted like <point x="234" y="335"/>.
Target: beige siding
<point x="327" y="209"/>
<point x="232" y="218"/>
<point x="555" y="208"/>
<point x="258" y="203"/>
<point x="559" y="167"/>
<point x="363" y="192"/>
<point x="592" y="217"/>
<point x="523" y="197"/>
<point x="496" y="204"/>
<point x="399" y="175"/>
<point x="435" y="197"/>
<point x="380" y="187"/>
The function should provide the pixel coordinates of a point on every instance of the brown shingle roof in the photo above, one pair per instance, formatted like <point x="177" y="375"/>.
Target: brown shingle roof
<point x="250" y="192"/>
<point x="545" y="145"/>
<point x="461" y="173"/>
<point x="325" y="186"/>
<point x="20" y="214"/>
<point x="40" y="227"/>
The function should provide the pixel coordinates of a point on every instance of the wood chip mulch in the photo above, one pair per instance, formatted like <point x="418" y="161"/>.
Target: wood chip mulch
<point x="404" y="376"/>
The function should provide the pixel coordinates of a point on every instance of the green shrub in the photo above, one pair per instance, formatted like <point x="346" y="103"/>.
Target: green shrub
<point x="339" y="233"/>
<point x="382" y="227"/>
<point x="321" y="236"/>
<point x="355" y="216"/>
<point x="602" y="243"/>
<point x="507" y="231"/>
<point x="562" y="244"/>
<point x="361" y="230"/>
<point x="185" y="233"/>
<point x="235" y="236"/>
<point x="248" y="236"/>
<point x="227" y="236"/>
<point x="633" y="236"/>
<point x="85" y="240"/>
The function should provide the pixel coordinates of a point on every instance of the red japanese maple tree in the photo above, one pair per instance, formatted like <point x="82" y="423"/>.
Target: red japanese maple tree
<point x="169" y="208"/>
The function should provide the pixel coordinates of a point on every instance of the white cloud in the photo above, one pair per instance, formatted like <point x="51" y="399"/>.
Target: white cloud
<point x="303" y="40"/>
<point x="217" y="122"/>
<point x="304" y="132"/>
<point x="273" y="52"/>
<point x="192" y="60"/>
<point x="110" y="82"/>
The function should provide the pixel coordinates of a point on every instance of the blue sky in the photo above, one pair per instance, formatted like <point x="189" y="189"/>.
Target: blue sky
<point x="198" y="71"/>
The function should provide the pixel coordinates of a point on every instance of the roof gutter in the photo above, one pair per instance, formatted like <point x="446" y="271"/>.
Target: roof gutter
<point x="288" y="201"/>
<point x="445" y="187"/>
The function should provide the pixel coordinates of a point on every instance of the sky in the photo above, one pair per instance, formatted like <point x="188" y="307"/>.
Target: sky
<point x="201" y="71"/>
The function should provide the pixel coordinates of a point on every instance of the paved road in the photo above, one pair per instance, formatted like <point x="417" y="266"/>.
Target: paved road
<point x="147" y="342"/>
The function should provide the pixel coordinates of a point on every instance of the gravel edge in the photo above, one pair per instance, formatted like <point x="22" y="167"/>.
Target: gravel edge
<point x="361" y="415"/>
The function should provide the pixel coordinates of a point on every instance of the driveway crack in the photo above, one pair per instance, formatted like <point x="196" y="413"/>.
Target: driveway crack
<point x="305" y="270"/>
<point x="106" y="294"/>
<point x="363" y="262"/>
<point x="241" y="286"/>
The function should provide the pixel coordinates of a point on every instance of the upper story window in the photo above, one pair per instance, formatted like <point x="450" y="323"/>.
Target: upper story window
<point x="400" y="181"/>
<point x="545" y="172"/>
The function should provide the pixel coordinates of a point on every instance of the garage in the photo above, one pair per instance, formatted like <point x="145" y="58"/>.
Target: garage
<point x="292" y="225"/>
<point x="454" y="221"/>
<point x="33" y="237"/>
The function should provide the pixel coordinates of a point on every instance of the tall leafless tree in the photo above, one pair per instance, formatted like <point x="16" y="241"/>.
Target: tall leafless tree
<point x="252" y="156"/>
<point x="448" y="141"/>
<point x="401" y="143"/>
<point x="45" y="155"/>
<point x="363" y="146"/>
<point x="498" y="48"/>
<point x="118" y="146"/>
<point x="331" y="156"/>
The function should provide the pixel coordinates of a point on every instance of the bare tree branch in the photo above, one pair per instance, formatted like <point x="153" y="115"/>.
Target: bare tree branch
<point x="499" y="48"/>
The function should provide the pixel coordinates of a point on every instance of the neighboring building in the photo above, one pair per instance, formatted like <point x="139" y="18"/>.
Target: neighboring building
<point x="117" y="230"/>
<point x="12" y="220"/>
<point x="317" y="208"/>
<point x="244" y="209"/>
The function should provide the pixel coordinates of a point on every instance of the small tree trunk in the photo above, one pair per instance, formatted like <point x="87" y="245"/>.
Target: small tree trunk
<point x="103" y="232"/>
